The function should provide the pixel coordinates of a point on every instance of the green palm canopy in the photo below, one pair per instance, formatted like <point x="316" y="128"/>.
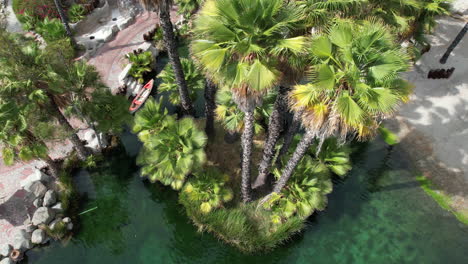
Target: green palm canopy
<point x="246" y="45"/>
<point x="354" y="83"/>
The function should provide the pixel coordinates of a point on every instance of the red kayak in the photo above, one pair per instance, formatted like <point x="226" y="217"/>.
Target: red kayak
<point x="141" y="97"/>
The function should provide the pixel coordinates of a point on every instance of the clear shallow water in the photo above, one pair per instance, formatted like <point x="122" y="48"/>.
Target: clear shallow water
<point x="377" y="215"/>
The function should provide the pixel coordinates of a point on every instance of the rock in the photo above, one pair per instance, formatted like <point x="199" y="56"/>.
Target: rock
<point x="30" y="228"/>
<point x="5" y="250"/>
<point x="58" y="208"/>
<point x="43" y="215"/>
<point x="102" y="20"/>
<point x="34" y="177"/>
<point x="70" y="226"/>
<point x="22" y="240"/>
<point x="38" y="189"/>
<point x="124" y="23"/>
<point x="66" y="220"/>
<point x="54" y="223"/>
<point x="38" y="236"/>
<point x="123" y="74"/>
<point x="6" y="261"/>
<point x="37" y="202"/>
<point x="50" y="198"/>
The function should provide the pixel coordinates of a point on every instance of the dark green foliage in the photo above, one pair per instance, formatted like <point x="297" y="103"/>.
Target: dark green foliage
<point x="208" y="189"/>
<point x="76" y="13"/>
<point x="193" y="77"/>
<point x="141" y="64"/>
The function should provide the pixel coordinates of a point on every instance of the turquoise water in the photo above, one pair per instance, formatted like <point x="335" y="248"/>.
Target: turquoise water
<point x="377" y="215"/>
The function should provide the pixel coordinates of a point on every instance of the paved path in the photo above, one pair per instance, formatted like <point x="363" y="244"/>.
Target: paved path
<point x="433" y="126"/>
<point x="110" y="58"/>
<point x="13" y="25"/>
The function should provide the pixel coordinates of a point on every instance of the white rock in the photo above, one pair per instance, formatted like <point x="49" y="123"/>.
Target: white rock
<point x="54" y="223"/>
<point x="37" y="202"/>
<point x="58" y="208"/>
<point x="22" y="240"/>
<point x="123" y="74"/>
<point x="38" y="236"/>
<point x="5" y="250"/>
<point x="70" y="226"/>
<point x="7" y="261"/>
<point x="37" y="175"/>
<point x="38" y="189"/>
<point x="66" y="220"/>
<point x="43" y="215"/>
<point x="50" y="198"/>
<point x="124" y="23"/>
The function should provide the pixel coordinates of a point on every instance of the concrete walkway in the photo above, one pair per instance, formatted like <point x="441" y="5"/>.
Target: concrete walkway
<point x="433" y="126"/>
<point x="13" y="25"/>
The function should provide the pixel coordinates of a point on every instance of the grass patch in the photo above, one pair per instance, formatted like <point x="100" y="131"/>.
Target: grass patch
<point x="244" y="226"/>
<point x="442" y="199"/>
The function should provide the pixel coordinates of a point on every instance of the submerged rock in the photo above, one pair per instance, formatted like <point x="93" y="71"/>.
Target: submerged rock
<point x="38" y="236"/>
<point x="49" y="198"/>
<point x="43" y="215"/>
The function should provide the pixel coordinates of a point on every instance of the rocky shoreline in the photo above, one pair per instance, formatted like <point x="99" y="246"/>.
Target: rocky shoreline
<point x="47" y="222"/>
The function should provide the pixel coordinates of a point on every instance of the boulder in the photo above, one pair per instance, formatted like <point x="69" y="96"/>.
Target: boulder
<point x="38" y="189"/>
<point x="5" y="250"/>
<point x="54" y="223"/>
<point x="70" y="226"/>
<point x="123" y="74"/>
<point x="37" y="175"/>
<point x="37" y="202"/>
<point x="43" y="215"/>
<point x="50" y="198"/>
<point x="124" y="23"/>
<point x="7" y="261"/>
<point x="58" y="208"/>
<point x="22" y="240"/>
<point x="66" y="220"/>
<point x="38" y="236"/>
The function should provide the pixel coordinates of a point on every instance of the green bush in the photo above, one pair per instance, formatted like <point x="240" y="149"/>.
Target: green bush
<point x="51" y="29"/>
<point x="194" y="78"/>
<point x="76" y="13"/>
<point x="141" y="64"/>
<point x="208" y="190"/>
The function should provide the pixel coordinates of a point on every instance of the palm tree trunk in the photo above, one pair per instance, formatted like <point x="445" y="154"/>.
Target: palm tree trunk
<point x="53" y="168"/>
<point x="288" y="138"/>
<point x="274" y="129"/>
<point x="288" y="170"/>
<point x="79" y="146"/>
<point x="64" y="18"/>
<point x="454" y="44"/>
<point x="171" y="46"/>
<point x="247" y="142"/>
<point x="210" y="106"/>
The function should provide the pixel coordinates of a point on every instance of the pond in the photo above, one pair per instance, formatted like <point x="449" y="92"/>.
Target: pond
<point x="378" y="214"/>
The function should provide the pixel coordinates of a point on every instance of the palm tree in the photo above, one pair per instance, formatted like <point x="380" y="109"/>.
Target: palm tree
<point x="64" y="18"/>
<point x="193" y="78"/>
<point x="210" y="108"/>
<point x="17" y="136"/>
<point x="243" y="45"/>
<point x="354" y="85"/>
<point x="169" y="155"/>
<point x="163" y="6"/>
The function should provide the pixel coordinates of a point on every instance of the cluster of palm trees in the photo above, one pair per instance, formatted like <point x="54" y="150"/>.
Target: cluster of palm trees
<point x="333" y="65"/>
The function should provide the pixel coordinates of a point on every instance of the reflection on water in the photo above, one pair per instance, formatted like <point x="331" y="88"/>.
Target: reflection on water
<point x="377" y="215"/>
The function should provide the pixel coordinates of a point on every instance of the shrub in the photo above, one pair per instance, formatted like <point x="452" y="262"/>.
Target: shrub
<point x="208" y="190"/>
<point x="51" y="29"/>
<point x="38" y="9"/>
<point x="194" y="78"/>
<point x="76" y="13"/>
<point x="141" y="64"/>
<point x="305" y="192"/>
<point x="171" y="154"/>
